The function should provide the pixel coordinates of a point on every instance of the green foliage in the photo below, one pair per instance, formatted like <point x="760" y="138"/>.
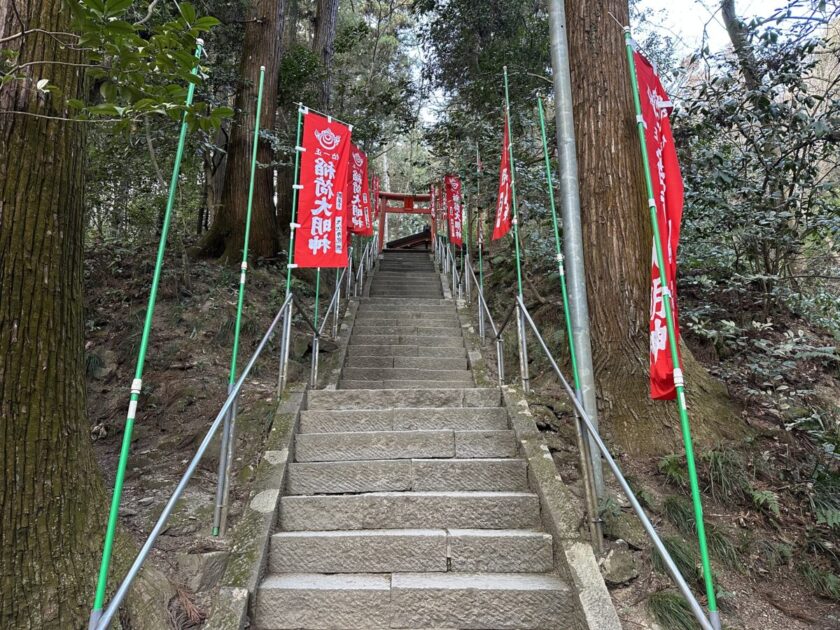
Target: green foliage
<point x="766" y="500"/>
<point x="671" y="611"/>
<point x="673" y="467"/>
<point x="680" y="512"/>
<point x="824" y="498"/>
<point x="822" y="582"/>
<point x="682" y="554"/>
<point x="726" y="475"/>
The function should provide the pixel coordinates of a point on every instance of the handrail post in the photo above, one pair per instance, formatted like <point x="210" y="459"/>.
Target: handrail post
<point x="523" y="349"/>
<point x="285" y="340"/>
<point x="500" y="359"/>
<point x="221" y="494"/>
<point x="313" y="376"/>
<point x="228" y="466"/>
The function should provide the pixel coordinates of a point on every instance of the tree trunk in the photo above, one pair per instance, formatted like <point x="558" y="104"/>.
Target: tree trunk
<point x="326" y="17"/>
<point x="51" y="496"/>
<point x="261" y="47"/>
<point x="617" y="244"/>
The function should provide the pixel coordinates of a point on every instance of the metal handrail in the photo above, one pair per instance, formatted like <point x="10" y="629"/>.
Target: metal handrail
<point x="671" y="567"/>
<point x="101" y="622"/>
<point x="336" y="295"/>
<point x="696" y="609"/>
<point x="482" y="301"/>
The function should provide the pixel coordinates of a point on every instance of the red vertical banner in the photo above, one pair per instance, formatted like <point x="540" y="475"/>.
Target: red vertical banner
<point x="366" y="209"/>
<point x="355" y="178"/>
<point x="454" y="208"/>
<point x="668" y="197"/>
<point x="503" y="213"/>
<point x="321" y="238"/>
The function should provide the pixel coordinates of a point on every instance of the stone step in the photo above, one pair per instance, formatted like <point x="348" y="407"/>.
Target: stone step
<point x="407" y="362"/>
<point x="395" y="351"/>
<point x="424" y="384"/>
<point x="442" y="322"/>
<point x="407" y="374"/>
<point x="406" y="303"/>
<point x="406" y="314"/>
<point x="429" y="341"/>
<point x="359" y="551"/>
<point x="362" y="328"/>
<point x="398" y="399"/>
<point x="405" y="283"/>
<point x="481" y="600"/>
<point x="431" y="419"/>
<point x="409" y="289"/>
<point x="399" y="475"/>
<point x="379" y="445"/>
<point x="410" y="550"/>
<point x="410" y="510"/>
<point x="414" y="600"/>
<point x="314" y="601"/>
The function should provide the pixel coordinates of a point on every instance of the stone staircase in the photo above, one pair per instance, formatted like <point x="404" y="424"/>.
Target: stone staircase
<point x="406" y="504"/>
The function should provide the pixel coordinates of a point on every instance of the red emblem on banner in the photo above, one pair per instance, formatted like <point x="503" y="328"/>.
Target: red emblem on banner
<point x="503" y="214"/>
<point x="668" y="196"/>
<point x="454" y="208"/>
<point x="321" y="239"/>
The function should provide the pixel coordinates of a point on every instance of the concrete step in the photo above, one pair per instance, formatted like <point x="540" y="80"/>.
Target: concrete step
<point x="408" y="374"/>
<point x="363" y="328"/>
<point x="410" y="510"/>
<point x="409" y="550"/>
<point x="429" y="341"/>
<point x="398" y="475"/>
<point x="481" y="600"/>
<point x="407" y="362"/>
<point x="430" y="419"/>
<point x="424" y="384"/>
<point x="399" y="399"/>
<point x="414" y="350"/>
<point x="406" y="283"/>
<point x="314" y="601"/>
<point x="380" y="445"/>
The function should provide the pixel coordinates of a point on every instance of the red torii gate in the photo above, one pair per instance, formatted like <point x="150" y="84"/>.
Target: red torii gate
<point x="408" y="205"/>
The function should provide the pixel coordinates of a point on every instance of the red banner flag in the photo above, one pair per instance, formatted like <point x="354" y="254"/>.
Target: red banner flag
<point x="454" y="208"/>
<point x="668" y="197"/>
<point x="356" y="193"/>
<point x="366" y="209"/>
<point x="321" y="238"/>
<point x="503" y="214"/>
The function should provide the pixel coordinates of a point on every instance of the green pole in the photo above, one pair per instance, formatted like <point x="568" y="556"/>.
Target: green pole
<point x="221" y="496"/>
<point x="137" y="383"/>
<point x="295" y="189"/>
<point x="561" y="268"/>
<point x="232" y="379"/>
<point x="582" y="437"/>
<point x="479" y="228"/>
<point x="513" y="188"/>
<point x="672" y="341"/>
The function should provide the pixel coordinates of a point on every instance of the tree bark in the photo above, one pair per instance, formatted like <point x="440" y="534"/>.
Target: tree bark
<point x="738" y="37"/>
<point x="617" y="244"/>
<point x="261" y="47"/>
<point x="51" y="496"/>
<point x="326" y="17"/>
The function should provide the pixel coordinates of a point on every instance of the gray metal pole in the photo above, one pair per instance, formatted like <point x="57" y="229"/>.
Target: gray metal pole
<point x="572" y="235"/>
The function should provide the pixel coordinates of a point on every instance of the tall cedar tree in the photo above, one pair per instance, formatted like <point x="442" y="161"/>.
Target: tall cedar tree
<point x="261" y="47"/>
<point x="323" y="44"/>
<point x="52" y="500"/>
<point x="617" y="243"/>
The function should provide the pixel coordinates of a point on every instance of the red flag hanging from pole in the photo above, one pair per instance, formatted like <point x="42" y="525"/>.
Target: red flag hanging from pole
<point x="321" y="238"/>
<point x="358" y="193"/>
<point x="503" y="214"/>
<point x="668" y="197"/>
<point x="454" y="210"/>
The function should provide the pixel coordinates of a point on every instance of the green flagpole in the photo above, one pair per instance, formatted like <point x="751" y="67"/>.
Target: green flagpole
<point x="582" y="437"/>
<point x="226" y="450"/>
<point x="137" y="383"/>
<point x="679" y="383"/>
<point x="561" y="268"/>
<point x="317" y="295"/>
<point x="513" y="188"/>
<point x="520" y="315"/>
<point x="295" y="188"/>
<point x="479" y="228"/>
